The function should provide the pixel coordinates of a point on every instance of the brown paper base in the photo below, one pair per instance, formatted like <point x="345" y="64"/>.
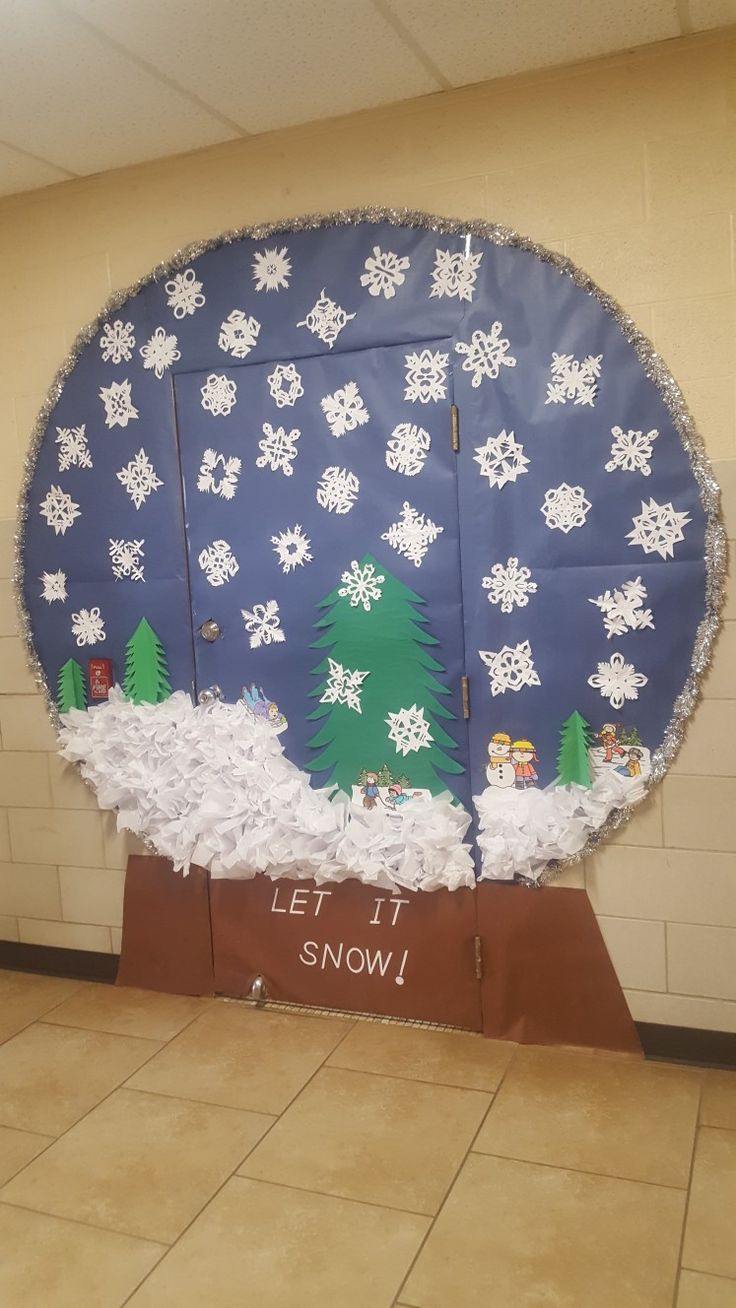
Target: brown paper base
<point x="166" y="941"/>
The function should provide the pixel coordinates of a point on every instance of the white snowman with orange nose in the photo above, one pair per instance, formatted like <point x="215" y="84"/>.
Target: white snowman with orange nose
<point x="500" y="771"/>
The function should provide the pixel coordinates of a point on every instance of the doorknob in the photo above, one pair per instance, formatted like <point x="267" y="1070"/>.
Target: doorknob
<point x="210" y="630"/>
<point x="209" y="694"/>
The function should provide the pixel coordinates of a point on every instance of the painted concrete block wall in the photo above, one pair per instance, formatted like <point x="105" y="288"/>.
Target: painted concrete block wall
<point x="628" y="165"/>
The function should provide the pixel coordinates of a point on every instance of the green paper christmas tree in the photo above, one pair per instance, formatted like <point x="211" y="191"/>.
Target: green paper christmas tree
<point x="71" y="690"/>
<point x="146" y="671"/>
<point x="573" y="763"/>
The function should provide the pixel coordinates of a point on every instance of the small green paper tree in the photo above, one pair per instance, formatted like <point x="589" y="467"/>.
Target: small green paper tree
<point x="629" y="736"/>
<point x="71" y="690"/>
<point x="573" y="763"/>
<point x="146" y="670"/>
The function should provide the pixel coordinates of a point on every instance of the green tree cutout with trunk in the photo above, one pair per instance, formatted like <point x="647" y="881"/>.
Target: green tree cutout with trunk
<point x="71" y="691"/>
<point x="573" y="760"/>
<point x="146" y="670"/>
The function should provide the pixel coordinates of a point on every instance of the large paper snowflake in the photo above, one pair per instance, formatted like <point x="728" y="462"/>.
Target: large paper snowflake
<point x="658" y="528"/>
<point x="53" y="586"/>
<point x="413" y="535"/>
<point x="631" y="450"/>
<point x="59" y="510"/>
<point x="486" y="354"/>
<point x="117" y="341"/>
<point x="384" y="271"/>
<point x="617" y="681"/>
<point x="337" y="490"/>
<point x="139" y="478"/>
<point x="238" y="334"/>
<point x="184" y="293"/>
<point x="219" y="394"/>
<point x="509" y="585"/>
<point x="285" y="385"/>
<point x="160" y="351"/>
<point x="292" y="548"/>
<point x="501" y="459"/>
<point x="407" y="448"/>
<point x="119" y="407"/>
<point x="218" y="563"/>
<point x="224" y="485"/>
<point x="263" y="624"/>
<point x="362" y="584"/>
<point x="573" y="379"/>
<point x="343" y="686"/>
<point x="510" y="668"/>
<point x="622" y="610"/>
<point x="426" y="376"/>
<point x="73" y="450"/>
<point x="565" y="507"/>
<point x="409" y="730"/>
<point x="88" y="627"/>
<point x="326" y="319"/>
<point x="271" y="269"/>
<point x="454" y="274"/>
<point x="278" y="449"/>
<point x="125" y="557"/>
<point x="344" y="409"/>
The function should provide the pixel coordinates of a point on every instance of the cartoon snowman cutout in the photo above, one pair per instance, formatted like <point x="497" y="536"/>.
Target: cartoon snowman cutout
<point x="500" y="771"/>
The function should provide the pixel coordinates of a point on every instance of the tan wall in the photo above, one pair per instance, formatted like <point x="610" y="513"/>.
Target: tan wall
<point x="629" y="166"/>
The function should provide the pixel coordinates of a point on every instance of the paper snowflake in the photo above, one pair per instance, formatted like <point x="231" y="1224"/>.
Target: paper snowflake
<point x="565" y="507"/>
<point x="622" y="609"/>
<point x="658" y="528"/>
<point x="184" y="293"/>
<point x="278" y="449"/>
<point x="631" y="450"/>
<point x="509" y="585"/>
<point x="454" y="275"/>
<point x="59" y="510"/>
<point x="409" y="730"/>
<point x="53" y="586"/>
<point x="292" y="548"/>
<point x="160" y="351"/>
<point x="426" y="376"/>
<point x="218" y="394"/>
<point x="486" y="354"/>
<point x="337" y="490"/>
<point x="573" y="379"/>
<point x="139" y="478"/>
<point x="117" y="341"/>
<point x="285" y="385"/>
<point x="501" y="459"/>
<point x="617" y="681"/>
<point x="343" y="686"/>
<point x="344" y="409"/>
<point x="271" y="269"/>
<point x="119" y="408"/>
<point x="227" y="483"/>
<point x="510" y="668"/>
<point x="413" y="535"/>
<point x="362" y="584"/>
<point x="73" y="451"/>
<point x="125" y="557"/>
<point x="263" y="624"/>
<point x="326" y="319"/>
<point x="407" y="448"/>
<point x="238" y="334"/>
<point x="88" y="627"/>
<point x="218" y="563"/>
<point x="384" y="271"/>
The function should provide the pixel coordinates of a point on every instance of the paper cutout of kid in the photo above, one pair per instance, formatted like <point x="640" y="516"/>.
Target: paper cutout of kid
<point x="370" y="790"/>
<point x="632" y="766"/>
<point x="523" y="757"/>
<point x="608" y="736"/>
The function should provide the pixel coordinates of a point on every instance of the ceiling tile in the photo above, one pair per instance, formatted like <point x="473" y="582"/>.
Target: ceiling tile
<point x="705" y="14"/>
<point x="20" y="172"/>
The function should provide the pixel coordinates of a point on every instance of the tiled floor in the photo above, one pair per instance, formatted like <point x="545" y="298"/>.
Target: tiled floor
<point x="165" y="1152"/>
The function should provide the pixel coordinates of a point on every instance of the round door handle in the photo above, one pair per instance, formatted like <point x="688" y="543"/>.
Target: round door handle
<point x="209" y="694"/>
<point x="210" y="630"/>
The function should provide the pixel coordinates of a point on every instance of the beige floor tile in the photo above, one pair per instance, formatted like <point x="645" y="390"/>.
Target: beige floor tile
<point x="442" y="1057"/>
<point x="241" y="1058"/>
<point x="139" y="1163"/>
<point x="25" y="997"/>
<point x="373" y="1138"/>
<point x="18" y="1148"/>
<point x="517" y="1235"/>
<point x="718" y="1104"/>
<point x="698" y="1290"/>
<point x="47" y="1263"/>
<point x="50" y="1076"/>
<point x="122" y="1010"/>
<point x="604" y="1114"/>
<point x="709" y="1235"/>
<point x="277" y="1248"/>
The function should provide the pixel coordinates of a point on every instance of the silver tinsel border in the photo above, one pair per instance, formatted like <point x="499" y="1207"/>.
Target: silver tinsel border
<point x="652" y="365"/>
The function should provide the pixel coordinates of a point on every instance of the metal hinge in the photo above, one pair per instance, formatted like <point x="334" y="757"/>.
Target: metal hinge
<point x="455" y="427"/>
<point x="465" y="692"/>
<point x="478" y="955"/>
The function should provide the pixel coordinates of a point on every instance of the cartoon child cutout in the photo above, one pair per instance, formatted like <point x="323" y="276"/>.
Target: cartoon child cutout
<point x="524" y="755"/>
<point x="500" y="770"/>
<point x="608" y="738"/>
<point x="370" y="790"/>
<point x="632" y="766"/>
<point x="396" y="796"/>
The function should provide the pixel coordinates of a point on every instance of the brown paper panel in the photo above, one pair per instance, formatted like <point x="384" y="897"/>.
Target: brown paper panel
<point x="166" y="941"/>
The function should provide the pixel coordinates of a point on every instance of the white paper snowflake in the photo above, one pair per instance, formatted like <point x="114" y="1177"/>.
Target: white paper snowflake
<point x="88" y="627"/>
<point x="278" y="449"/>
<point x="326" y="319"/>
<point x="409" y="730"/>
<point x="263" y="624"/>
<point x="384" y="271"/>
<point x="362" y="584"/>
<point x="565" y="507"/>
<point x="344" y="409"/>
<point x="658" y="528"/>
<point x="343" y="686"/>
<point x="413" y="535"/>
<point x="573" y="379"/>
<point x="454" y="274"/>
<point x="139" y="478"/>
<point x="184" y="293"/>
<point x="501" y="459"/>
<point x="160" y="351"/>
<point x="119" y="408"/>
<point x="219" y="394"/>
<point x="617" y="681"/>
<point x="631" y="450"/>
<point x="285" y="385"/>
<point x="510" y="668"/>
<point x="238" y="334"/>
<point x="622" y="608"/>
<point x="73" y="451"/>
<point x="59" y="510"/>
<point x="292" y="548"/>
<point x="224" y="485"/>
<point x="407" y="448"/>
<point x="426" y="376"/>
<point x="117" y="341"/>
<point x="509" y="585"/>
<point x="486" y="353"/>
<point x="125" y="557"/>
<point x="218" y="563"/>
<point x="53" y="586"/>
<point x="337" y="490"/>
<point x="271" y="269"/>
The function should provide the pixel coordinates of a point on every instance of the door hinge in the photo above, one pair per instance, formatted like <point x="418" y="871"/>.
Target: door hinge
<point x="465" y="691"/>
<point x="455" y="427"/>
<point x="478" y="956"/>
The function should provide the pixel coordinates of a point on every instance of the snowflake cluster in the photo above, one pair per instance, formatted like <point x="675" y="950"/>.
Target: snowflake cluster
<point x="409" y="730"/>
<point x="218" y="563"/>
<point x="59" y="510"/>
<point x="454" y="275"/>
<point x="117" y="341"/>
<point x="184" y="293"/>
<point x="407" y="449"/>
<point x="622" y="608"/>
<point x="88" y="627"/>
<point x="573" y="379"/>
<point x="344" y="409"/>
<point x="285" y="385"/>
<point x="326" y="319"/>
<point x="501" y="459"/>
<point x="362" y="584"/>
<point x="125" y="558"/>
<point x="384" y="271"/>
<point x="426" y="376"/>
<point x="631" y="451"/>
<point x="238" y="334"/>
<point x="412" y="535"/>
<point x="73" y="449"/>
<point x="53" y="586"/>
<point x="617" y="681"/>
<point x="565" y="507"/>
<point x="219" y="395"/>
<point x="509" y="585"/>
<point x="292" y="548"/>
<point x="118" y="402"/>
<point x="486" y="354"/>
<point x="263" y="624"/>
<point x="510" y="667"/>
<point x="337" y="490"/>
<point x="658" y="528"/>
<point x="343" y="686"/>
<point x="278" y="449"/>
<point x="271" y="269"/>
<point x="139" y="478"/>
<point x="160" y="351"/>
<point x="227" y="483"/>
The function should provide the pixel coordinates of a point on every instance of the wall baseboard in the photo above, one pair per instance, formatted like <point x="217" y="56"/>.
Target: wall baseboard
<point x="52" y="960"/>
<point x="688" y="1044"/>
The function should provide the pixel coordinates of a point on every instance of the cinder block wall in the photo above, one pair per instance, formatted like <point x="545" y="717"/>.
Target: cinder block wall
<point x="628" y="165"/>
